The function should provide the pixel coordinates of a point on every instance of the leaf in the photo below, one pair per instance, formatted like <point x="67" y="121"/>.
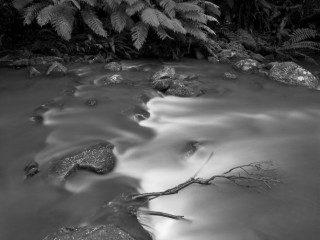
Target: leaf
<point x="62" y="21"/>
<point x="32" y="11"/>
<point x="178" y="26"/>
<point x="118" y="20"/>
<point x="45" y="15"/>
<point x="139" y="34"/>
<point x="162" y="33"/>
<point x="188" y="7"/>
<point x="168" y="6"/>
<point x="135" y="8"/>
<point x="149" y="16"/>
<point x="93" y="22"/>
<point x="195" y="16"/>
<point x="20" y="4"/>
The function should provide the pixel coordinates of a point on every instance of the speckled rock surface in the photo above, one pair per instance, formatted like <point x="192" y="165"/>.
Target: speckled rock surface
<point x="230" y="75"/>
<point x="56" y="69"/>
<point x="292" y="74"/>
<point x="100" y="232"/>
<point x="247" y="66"/>
<point x="98" y="158"/>
<point x="113" y="66"/>
<point x="166" y="72"/>
<point x="109" y="80"/>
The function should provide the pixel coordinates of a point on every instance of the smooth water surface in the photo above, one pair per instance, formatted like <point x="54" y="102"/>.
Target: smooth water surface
<point x="242" y="121"/>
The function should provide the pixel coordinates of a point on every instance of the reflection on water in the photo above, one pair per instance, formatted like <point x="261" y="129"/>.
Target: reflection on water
<point x="243" y="121"/>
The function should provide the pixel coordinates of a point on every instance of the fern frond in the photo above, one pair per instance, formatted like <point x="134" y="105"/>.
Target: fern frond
<point x="118" y="20"/>
<point x="93" y="22"/>
<point x="195" y="16"/>
<point x="212" y="8"/>
<point x="188" y="7"/>
<point x="178" y="26"/>
<point x="45" y="15"/>
<point x="63" y="20"/>
<point x="164" y="20"/>
<point x="135" y="8"/>
<point x="193" y="29"/>
<point x="139" y="34"/>
<point x="92" y="3"/>
<point x="32" y="11"/>
<point x="168" y="7"/>
<point x="113" y="4"/>
<point x="162" y="33"/>
<point x="303" y="45"/>
<point x="149" y="16"/>
<point x="209" y="30"/>
<point x="131" y="2"/>
<point x="209" y="18"/>
<point x="20" y="4"/>
<point x="302" y="34"/>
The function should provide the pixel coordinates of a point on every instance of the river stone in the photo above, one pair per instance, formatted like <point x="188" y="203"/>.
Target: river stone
<point x="227" y="53"/>
<point x="31" y="169"/>
<point x="230" y="75"/>
<point x="292" y="74"/>
<point x="213" y="59"/>
<point x="179" y="89"/>
<point x="113" y="66"/>
<point x="99" y="232"/>
<point x="137" y="114"/>
<point x="98" y="158"/>
<point x="166" y="72"/>
<point x="190" y="148"/>
<point x="33" y="72"/>
<point x="247" y="65"/>
<point x="97" y="59"/>
<point x="45" y="60"/>
<point x="162" y="84"/>
<point x="56" y="69"/>
<point x="91" y="102"/>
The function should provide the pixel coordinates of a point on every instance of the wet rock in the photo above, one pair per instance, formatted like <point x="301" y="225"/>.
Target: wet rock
<point x="247" y="66"/>
<point x="47" y="106"/>
<point x="224" y="60"/>
<point x="37" y="119"/>
<point x="292" y="74"/>
<point x="69" y="91"/>
<point x="162" y="85"/>
<point x="91" y="102"/>
<point x="33" y="72"/>
<point x="31" y="169"/>
<point x="227" y="53"/>
<point x="166" y="72"/>
<point x="257" y="56"/>
<point x="98" y="158"/>
<point x="230" y="75"/>
<point x="111" y="80"/>
<point x="190" y="148"/>
<point x="20" y="63"/>
<point x="45" y="60"/>
<point x="97" y="59"/>
<point x="263" y="72"/>
<point x="137" y="114"/>
<point x="183" y="77"/>
<point x="91" y="232"/>
<point x="113" y="66"/>
<point x="56" y="69"/>
<point x="213" y="59"/>
<point x="179" y="89"/>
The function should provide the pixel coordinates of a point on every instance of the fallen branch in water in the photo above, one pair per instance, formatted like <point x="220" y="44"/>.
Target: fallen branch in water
<point x="236" y="175"/>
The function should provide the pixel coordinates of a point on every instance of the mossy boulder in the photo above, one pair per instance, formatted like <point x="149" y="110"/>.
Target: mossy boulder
<point x="292" y="74"/>
<point x="247" y="66"/>
<point x="113" y="66"/>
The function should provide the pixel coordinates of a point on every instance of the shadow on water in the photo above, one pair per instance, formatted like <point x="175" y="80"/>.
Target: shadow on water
<point x="245" y="120"/>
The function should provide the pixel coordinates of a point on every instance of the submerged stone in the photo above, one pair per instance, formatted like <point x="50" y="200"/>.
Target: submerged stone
<point x="97" y="59"/>
<point x="179" y="89"/>
<point x="190" y="148"/>
<point x="162" y="84"/>
<point x="292" y="74"/>
<point x="91" y="102"/>
<point x="31" y="169"/>
<point x="33" y="72"/>
<point x="113" y="66"/>
<point x="57" y="69"/>
<point x="98" y="158"/>
<point x="166" y="72"/>
<point x="137" y="113"/>
<point x="247" y="65"/>
<point x="230" y="75"/>
<point x="99" y="232"/>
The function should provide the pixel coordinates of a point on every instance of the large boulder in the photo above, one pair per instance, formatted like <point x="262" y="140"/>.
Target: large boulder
<point x="98" y="158"/>
<point x="91" y="232"/>
<point x="247" y="66"/>
<point x="292" y="74"/>
<point x="166" y="72"/>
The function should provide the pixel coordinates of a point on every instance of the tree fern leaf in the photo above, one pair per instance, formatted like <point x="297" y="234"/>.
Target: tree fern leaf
<point x="139" y="34"/>
<point x="212" y="8"/>
<point x="92" y="3"/>
<point x="162" y="33"/>
<point x="135" y="8"/>
<point x="302" y="34"/>
<point x="168" y="6"/>
<point x="164" y="20"/>
<point x="178" y="26"/>
<point x="210" y="18"/>
<point x="63" y="21"/>
<point x="188" y="7"/>
<point x="45" y="15"/>
<point x="93" y="22"/>
<point x="20" y="4"/>
<point x="118" y="20"/>
<point x="194" y="30"/>
<point x="149" y="16"/>
<point x="32" y="11"/>
<point x="209" y="30"/>
<point x="132" y="2"/>
<point x="305" y="44"/>
<point x="113" y="4"/>
<point x="195" y="16"/>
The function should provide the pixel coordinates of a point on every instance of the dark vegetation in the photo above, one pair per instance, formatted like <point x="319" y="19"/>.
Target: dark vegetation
<point x="157" y="28"/>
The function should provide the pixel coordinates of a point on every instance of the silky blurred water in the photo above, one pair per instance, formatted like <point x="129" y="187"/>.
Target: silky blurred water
<point x="241" y="121"/>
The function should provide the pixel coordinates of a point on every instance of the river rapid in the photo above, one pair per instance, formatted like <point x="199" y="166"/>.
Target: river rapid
<point x="241" y="121"/>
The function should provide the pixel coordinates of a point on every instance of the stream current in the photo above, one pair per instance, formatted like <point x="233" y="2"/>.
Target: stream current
<point x="241" y="121"/>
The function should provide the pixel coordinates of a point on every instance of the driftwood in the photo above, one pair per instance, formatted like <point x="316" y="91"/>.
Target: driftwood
<point x="256" y="174"/>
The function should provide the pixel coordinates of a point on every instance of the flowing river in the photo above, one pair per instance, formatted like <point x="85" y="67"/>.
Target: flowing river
<point x="241" y="121"/>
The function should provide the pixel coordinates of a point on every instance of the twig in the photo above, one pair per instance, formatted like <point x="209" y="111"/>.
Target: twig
<point x="161" y="214"/>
